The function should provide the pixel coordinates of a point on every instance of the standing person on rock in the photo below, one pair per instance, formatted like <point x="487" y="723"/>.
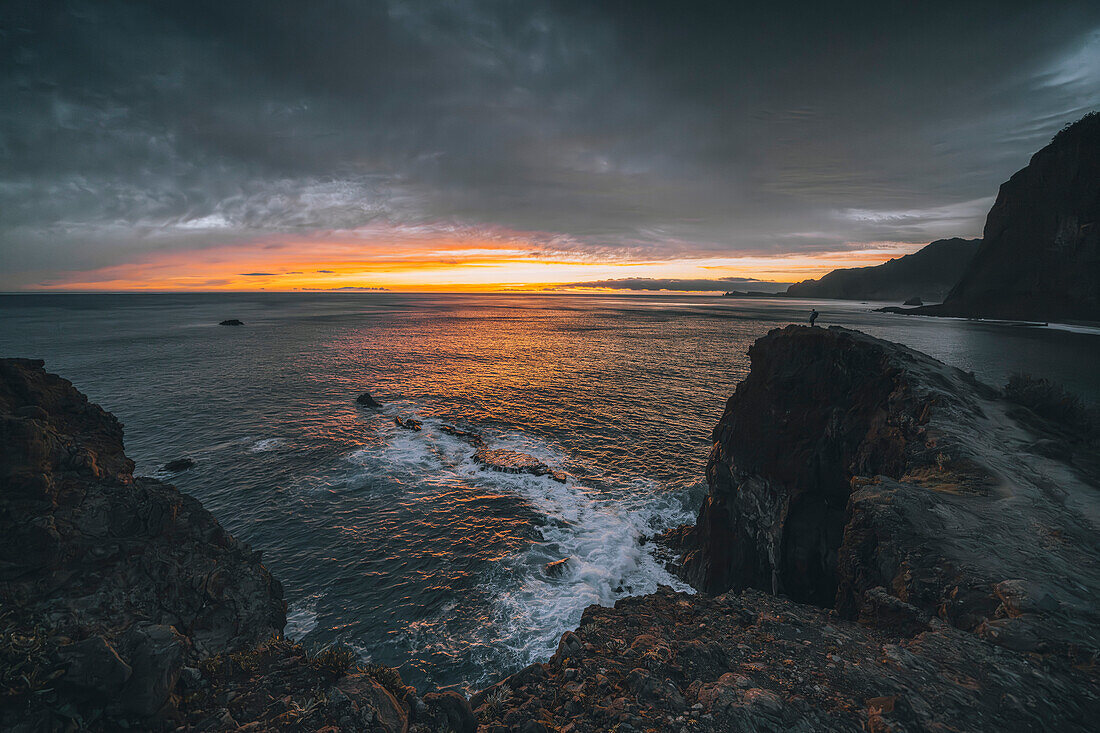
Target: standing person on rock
<point x="813" y="316"/>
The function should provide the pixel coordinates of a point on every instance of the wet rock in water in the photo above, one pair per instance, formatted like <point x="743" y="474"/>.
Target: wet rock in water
<point x="231" y="322"/>
<point x="367" y="400"/>
<point x="915" y="300"/>
<point x="468" y="435"/>
<point x="510" y="461"/>
<point x="180" y="464"/>
<point x="408" y="424"/>
<point x="556" y="568"/>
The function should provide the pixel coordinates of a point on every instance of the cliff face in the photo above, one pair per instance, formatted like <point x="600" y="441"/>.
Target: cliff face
<point x="928" y="274"/>
<point x="1040" y="255"/>
<point x="844" y="463"/>
<point x="125" y="604"/>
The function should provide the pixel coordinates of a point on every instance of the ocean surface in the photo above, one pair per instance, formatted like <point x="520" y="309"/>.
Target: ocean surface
<point x="395" y="542"/>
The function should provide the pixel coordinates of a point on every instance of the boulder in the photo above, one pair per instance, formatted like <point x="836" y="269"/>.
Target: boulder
<point x="156" y="657"/>
<point x="231" y="322"/>
<point x="93" y="667"/>
<point x="408" y="424"/>
<point x="556" y="568"/>
<point x="367" y="400"/>
<point x="451" y="711"/>
<point x="510" y="461"/>
<point x="467" y="435"/>
<point x="179" y="464"/>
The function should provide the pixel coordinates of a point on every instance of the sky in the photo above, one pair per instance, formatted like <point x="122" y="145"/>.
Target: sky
<point x="453" y="145"/>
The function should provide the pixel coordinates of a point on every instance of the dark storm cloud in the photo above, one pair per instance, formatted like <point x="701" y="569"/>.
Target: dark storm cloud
<point x="652" y="130"/>
<point x="722" y="284"/>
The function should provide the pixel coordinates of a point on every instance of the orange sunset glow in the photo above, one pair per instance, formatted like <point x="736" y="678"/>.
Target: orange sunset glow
<point x="438" y="264"/>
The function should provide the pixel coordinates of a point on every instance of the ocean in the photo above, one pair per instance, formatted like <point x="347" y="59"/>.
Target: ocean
<point x="397" y="543"/>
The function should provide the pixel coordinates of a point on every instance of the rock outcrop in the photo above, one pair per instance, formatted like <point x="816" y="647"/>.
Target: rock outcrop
<point x="126" y="605"/>
<point x="1040" y="254"/>
<point x="927" y="274"/>
<point x="844" y="463"/>
<point x="887" y="545"/>
<point x="367" y="400"/>
<point x="750" y="662"/>
<point x="511" y="461"/>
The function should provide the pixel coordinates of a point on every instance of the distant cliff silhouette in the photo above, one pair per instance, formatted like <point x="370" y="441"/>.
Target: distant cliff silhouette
<point x="928" y="274"/>
<point x="1040" y="256"/>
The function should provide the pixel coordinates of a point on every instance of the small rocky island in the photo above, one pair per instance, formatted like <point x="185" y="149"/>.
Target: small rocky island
<point x="887" y="545"/>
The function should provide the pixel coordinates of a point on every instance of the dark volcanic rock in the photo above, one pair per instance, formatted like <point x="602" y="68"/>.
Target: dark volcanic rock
<point x="469" y="436"/>
<point x="367" y="400"/>
<point x="1040" y="254"/>
<point x="180" y="464"/>
<point x="845" y="464"/>
<point x="125" y="604"/>
<point x="930" y="273"/>
<point x="556" y="568"/>
<point x="231" y="322"/>
<point x="510" y="461"/>
<point x="749" y="662"/>
<point x="408" y="424"/>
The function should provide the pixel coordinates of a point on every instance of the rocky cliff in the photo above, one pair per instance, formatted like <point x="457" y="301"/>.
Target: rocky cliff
<point x="928" y="274"/>
<point x="1040" y="253"/>
<point x="125" y="604"/>
<point x="886" y="545"/>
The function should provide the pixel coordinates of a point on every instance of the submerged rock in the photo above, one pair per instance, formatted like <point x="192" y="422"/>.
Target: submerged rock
<point x="469" y="436"/>
<point x="367" y="400"/>
<point x="556" y="568"/>
<point x="180" y="464"/>
<point x="231" y="322"/>
<point x="408" y="424"/>
<point x="510" y="461"/>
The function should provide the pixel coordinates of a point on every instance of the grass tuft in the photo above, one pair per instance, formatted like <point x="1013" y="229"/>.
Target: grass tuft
<point x="388" y="677"/>
<point x="336" y="660"/>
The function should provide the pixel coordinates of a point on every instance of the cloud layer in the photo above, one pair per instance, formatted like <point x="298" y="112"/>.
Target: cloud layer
<point x="607" y="132"/>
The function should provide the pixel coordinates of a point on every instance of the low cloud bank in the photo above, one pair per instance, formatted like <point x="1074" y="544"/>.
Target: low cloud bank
<point x="721" y="284"/>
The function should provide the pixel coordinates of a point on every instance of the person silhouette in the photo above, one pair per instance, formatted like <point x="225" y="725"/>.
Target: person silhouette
<point x="813" y="316"/>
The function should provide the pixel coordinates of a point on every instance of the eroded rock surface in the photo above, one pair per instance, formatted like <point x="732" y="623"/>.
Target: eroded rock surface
<point x="748" y="661"/>
<point x="844" y="463"/>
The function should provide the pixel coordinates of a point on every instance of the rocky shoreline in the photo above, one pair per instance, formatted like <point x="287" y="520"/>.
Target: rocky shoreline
<point x="887" y="545"/>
